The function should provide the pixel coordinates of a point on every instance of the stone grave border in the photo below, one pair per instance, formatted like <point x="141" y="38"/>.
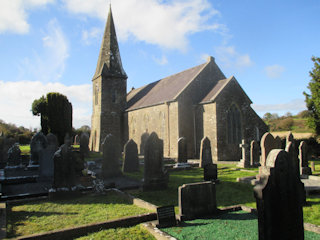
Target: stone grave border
<point x="151" y="226"/>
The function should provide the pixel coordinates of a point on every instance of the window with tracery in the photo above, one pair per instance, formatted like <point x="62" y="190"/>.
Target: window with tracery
<point x="234" y="128"/>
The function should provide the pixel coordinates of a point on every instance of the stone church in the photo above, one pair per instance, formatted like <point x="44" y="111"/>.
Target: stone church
<point x="194" y="103"/>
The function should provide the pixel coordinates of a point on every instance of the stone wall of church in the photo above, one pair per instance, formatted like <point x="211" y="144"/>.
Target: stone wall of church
<point x="252" y="127"/>
<point x="162" y="119"/>
<point x="210" y="128"/>
<point x="192" y="95"/>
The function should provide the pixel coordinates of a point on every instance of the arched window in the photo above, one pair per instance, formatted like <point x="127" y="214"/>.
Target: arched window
<point x="234" y="125"/>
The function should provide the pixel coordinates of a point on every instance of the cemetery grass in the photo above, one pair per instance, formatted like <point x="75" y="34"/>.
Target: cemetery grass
<point x="25" y="149"/>
<point x="44" y="216"/>
<point x="132" y="233"/>
<point x="229" y="191"/>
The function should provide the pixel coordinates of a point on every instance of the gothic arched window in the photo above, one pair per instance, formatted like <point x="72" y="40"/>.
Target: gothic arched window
<point x="234" y="125"/>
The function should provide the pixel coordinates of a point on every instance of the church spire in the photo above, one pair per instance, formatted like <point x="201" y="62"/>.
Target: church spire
<point x="109" y="62"/>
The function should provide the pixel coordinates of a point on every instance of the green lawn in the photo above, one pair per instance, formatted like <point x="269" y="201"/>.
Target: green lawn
<point x="25" y="149"/>
<point x="46" y="216"/>
<point x="43" y="216"/>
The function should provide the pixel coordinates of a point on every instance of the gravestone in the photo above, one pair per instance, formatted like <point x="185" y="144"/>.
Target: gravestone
<point x="254" y="153"/>
<point x="155" y="177"/>
<point x="289" y="138"/>
<point x="7" y="143"/>
<point x="245" y="160"/>
<point x="110" y="162"/>
<point x="64" y="171"/>
<point x="278" y="200"/>
<point x="205" y="152"/>
<point x="166" y="217"/>
<point x="210" y="172"/>
<point x="14" y="155"/>
<point x="278" y="143"/>
<point x="267" y="144"/>
<point x="197" y="200"/>
<point x="84" y="145"/>
<point x="38" y="143"/>
<point x="76" y="140"/>
<point x="303" y="159"/>
<point x="293" y="155"/>
<point x="131" y="159"/>
<point x="144" y="138"/>
<point x="182" y="150"/>
<point x="46" y="162"/>
<point x="67" y="139"/>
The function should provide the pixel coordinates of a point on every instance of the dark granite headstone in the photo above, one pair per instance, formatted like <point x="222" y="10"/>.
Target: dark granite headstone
<point x="303" y="159"/>
<point x="182" y="150"/>
<point x="278" y="143"/>
<point x="205" y="152"/>
<point x="166" y="216"/>
<point x="84" y="144"/>
<point x="14" y="155"/>
<point x="279" y="200"/>
<point x="210" y="172"/>
<point x="110" y="164"/>
<point x="197" y="200"/>
<point x="46" y="162"/>
<point x="155" y="177"/>
<point x="64" y="170"/>
<point x="131" y="159"/>
<point x="254" y="153"/>
<point x="38" y="143"/>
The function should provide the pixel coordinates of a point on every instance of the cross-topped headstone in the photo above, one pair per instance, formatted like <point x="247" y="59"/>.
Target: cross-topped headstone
<point x="245" y="161"/>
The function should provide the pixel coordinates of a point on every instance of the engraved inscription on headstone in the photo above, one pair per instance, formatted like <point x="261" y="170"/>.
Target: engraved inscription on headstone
<point x="166" y="216"/>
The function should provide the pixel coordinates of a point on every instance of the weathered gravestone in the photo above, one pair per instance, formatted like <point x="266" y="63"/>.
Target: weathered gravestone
<point x="64" y="169"/>
<point x="155" y="177"/>
<point x="182" y="150"/>
<point x="46" y="162"/>
<point x="277" y="143"/>
<point x="84" y="145"/>
<point x="166" y="216"/>
<point x="205" y="152"/>
<point x="254" y="153"/>
<point x="110" y="162"/>
<point x="38" y="143"/>
<point x="293" y="155"/>
<point x="76" y="140"/>
<point x="197" y="200"/>
<point x="14" y="155"/>
<point x="245" y="160"/>
<point x="303" y="159"/>
<point x="131" y="159"/>
<point x="267" y="144"/>
<point x="143" y="141"/>
<point x="278" y="200"/>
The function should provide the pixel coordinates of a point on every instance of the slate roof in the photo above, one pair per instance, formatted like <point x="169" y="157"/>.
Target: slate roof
<point x="217" y="89"/>
<point x="164" y="90"/>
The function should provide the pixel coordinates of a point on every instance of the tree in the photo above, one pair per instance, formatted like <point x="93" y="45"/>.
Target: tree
<point x="267" y="116"/>
<point x="313" y="99"/>
<point x="56" y="114"/>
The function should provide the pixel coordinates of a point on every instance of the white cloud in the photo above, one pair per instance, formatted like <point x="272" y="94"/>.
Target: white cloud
<point x="49" y="63"/>
<point x="89" y="35"/>
<point x="230" y="58"/>
<point x="13" y="14"/>
<point x="166" y="24"/>
<point x="16" y="99"/>
<point x="274" y="71"/>
<point x="296" y="105"/>
<point x="161" y="61"/>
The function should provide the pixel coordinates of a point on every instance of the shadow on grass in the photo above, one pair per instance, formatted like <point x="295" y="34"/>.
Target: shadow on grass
<point x="237" y="216"/>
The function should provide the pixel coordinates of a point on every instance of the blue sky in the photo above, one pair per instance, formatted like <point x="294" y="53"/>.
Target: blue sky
<point x="53" y="45"/>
